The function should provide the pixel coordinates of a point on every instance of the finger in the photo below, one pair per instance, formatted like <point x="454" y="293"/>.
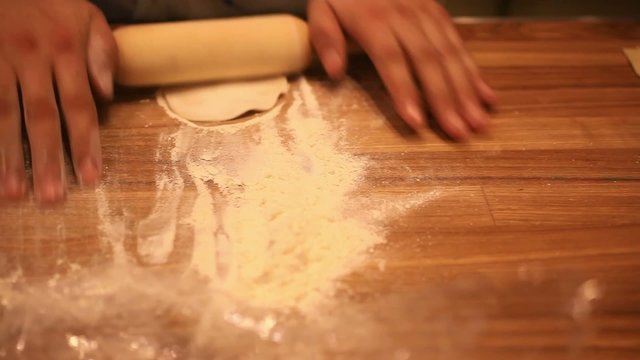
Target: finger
<point x="432" y="75"/>
<point x="394" y="70"/>
<point x="102" y="55"/>
<point x="80" y="115"/>
<point x="440" y="15"/>
<point x="43" y="129"/>
<point x="327" y="38"/>
<point x="13" y="185"/>
<point x="390" y="62"/>
<point x="461" y="90"/>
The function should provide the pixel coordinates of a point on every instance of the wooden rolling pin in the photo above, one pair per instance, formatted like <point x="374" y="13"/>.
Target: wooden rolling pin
<point x="212" y="50"/>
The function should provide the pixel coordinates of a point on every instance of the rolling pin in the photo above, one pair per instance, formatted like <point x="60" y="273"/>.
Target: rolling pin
<point x="211" y="50"/>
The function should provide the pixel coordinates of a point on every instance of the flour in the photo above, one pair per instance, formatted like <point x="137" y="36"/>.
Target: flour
<point x="272" y="222"/>
<point x="276" y="218"/>
<point x="156" y="233"/>
<point x="112" y="228"/>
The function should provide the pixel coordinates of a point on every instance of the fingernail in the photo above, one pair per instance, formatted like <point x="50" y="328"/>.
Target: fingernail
<point x="50" y="192"/>
<point x="14" y="187"/>
<point x="105" y="78"/>
<point x="89" y="173"/>
<point x="490" y="94"/>
<point x="478" y="117"/>
<point x="332" y="61"/>
<point x="457" y="128"/>
<point x="99" y="59"/>
<point x="415" y="116"/>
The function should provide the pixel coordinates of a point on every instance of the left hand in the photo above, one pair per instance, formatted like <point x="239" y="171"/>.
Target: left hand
<point x="413" y="45"/>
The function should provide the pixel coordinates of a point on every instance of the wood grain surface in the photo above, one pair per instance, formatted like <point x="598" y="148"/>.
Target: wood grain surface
<point x="530" y="251"/>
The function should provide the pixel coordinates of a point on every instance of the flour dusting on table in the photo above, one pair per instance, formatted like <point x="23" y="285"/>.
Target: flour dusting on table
<point x="280" y="234"/>
<point x="273" y="220"/>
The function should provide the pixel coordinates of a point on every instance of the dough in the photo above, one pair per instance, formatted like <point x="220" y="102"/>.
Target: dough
<point x="224" y="101"/>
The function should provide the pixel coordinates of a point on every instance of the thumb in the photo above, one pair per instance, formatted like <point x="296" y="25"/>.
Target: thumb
<point x="102" y="55"/>
<point x="327" y="38"/>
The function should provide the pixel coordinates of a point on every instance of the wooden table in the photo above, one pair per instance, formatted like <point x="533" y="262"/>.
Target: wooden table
<point x="530" y="251"/>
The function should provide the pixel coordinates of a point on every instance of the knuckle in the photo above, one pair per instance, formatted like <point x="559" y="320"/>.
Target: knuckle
<point x="387" y="53"/>
<point x="63" y="39"/>
<point x="319" y="31"/>
<point x="405" y="8"/>
<point x="426" y="54"/>
<point x="24" y="42"/>
<point x="9" y="105"/>
<point x="440" y="103"/>
<point x="435" y="8"/>
<point x="439" y="10"/>
<point x="377" y="11"/>
<point x="79" y="108"/>
<point x="41" y="109"/>
<point x="7" y="109"/>
<point x="448" y="51"/>
<point x="399" y="89"/>
<point x="77" y="102"/>
<point x="93" y="10"/>
<point x="438" y="96"/>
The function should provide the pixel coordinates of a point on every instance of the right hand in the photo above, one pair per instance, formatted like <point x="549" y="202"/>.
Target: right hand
<point x="52" y="48"/>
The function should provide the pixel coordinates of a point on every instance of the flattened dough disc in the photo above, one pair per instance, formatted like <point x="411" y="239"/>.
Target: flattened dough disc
<point x="224" y="101"/>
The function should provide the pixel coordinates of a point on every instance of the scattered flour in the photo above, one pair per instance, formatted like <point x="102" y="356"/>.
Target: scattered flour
<point x="112" y="228"/>
<point x="272" y="221"/>
<point x="156" y="233"/>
